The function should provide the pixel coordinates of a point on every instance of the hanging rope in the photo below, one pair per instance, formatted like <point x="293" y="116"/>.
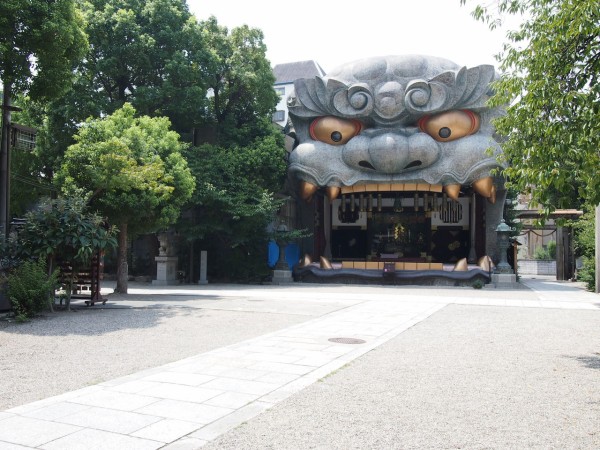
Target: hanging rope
<point x="542" y="235"/>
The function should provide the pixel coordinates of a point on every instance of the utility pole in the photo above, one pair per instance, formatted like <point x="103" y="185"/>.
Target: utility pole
<point x="597" y="290"/>
<point x="5" y="164"/>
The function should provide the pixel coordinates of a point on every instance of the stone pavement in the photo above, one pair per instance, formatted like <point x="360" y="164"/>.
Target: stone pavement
<point x="183" y="405"/>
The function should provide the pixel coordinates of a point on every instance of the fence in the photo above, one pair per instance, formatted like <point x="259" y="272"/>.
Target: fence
<point x="537" y="267"/>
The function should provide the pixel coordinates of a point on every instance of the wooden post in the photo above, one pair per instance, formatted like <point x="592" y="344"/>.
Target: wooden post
<point x="560" y="253"/>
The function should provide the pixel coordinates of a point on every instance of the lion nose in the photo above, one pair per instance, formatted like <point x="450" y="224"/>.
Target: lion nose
<point x="391" y="152"/>
<point x="394" y="153"/>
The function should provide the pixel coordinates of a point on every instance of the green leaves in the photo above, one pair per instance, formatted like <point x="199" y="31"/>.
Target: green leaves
<point x="234" y="196"/>
<point x="551" y="67"/>
<point x="131" y="167"/>
<point x="241" y="82"/>
<point x="147" y="53"/>
<point x="63" y="228"/>
<point x="40" y="42"/>
<point x="30" y="289"/>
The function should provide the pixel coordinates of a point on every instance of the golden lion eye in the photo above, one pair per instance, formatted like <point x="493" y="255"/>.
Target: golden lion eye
<point x="450" y="125"/>
<point x="333" y="130"/>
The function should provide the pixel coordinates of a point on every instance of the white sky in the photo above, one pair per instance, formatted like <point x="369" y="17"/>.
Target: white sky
<point x="333" y="32"/>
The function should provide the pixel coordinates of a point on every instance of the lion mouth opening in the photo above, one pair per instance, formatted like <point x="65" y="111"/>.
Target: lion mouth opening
<point x="483" y="186"/>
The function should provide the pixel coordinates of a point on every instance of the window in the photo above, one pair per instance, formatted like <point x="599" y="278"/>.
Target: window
<point x="279" y="116"/>
<point x="280" y="91"/>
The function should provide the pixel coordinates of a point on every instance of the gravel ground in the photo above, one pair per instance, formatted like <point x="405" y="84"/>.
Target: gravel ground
<point x="64" y="351"/>
<point x="468" y="377"/>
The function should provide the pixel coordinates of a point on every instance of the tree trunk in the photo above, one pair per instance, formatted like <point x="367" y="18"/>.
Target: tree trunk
<point x="74" y="271"/>
<point x="50" y="264"/>
<point x="122" y="260"/>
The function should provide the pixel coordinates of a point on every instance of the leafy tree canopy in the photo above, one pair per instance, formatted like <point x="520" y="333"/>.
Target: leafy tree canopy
<point x="241" y="82"/>
<point x="134" y="172"/>
<point x="40" y="41"/>
<point x="158" y="57"/>
<point x="234" y="203"/>
<point x="234" y="185"/>
<point x="155" y="55"/>
<point x="132" y="167"/>
<point x="147" y="53"/>
<point x="551" y="66"/>
<point x="61" y="228"/>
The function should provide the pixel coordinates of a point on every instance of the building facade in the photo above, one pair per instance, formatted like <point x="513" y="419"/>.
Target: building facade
<point x="285" y="75"/>
<point x="396" y="161"/>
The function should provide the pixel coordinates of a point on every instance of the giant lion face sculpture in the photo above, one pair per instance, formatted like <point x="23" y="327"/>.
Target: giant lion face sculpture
<point x="395" y="119"/>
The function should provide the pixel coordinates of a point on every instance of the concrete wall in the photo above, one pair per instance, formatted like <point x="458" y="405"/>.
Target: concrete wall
<point x="537" y="267"/>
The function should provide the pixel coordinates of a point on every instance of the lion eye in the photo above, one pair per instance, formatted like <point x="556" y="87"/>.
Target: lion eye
<point x="333" y="130"/>
<point x="450" y="125"/>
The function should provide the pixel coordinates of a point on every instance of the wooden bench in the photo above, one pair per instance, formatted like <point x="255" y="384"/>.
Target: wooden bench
<point x="86" y="282"/>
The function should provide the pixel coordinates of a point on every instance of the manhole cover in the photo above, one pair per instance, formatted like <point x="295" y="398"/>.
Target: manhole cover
<point x="344" y="340"/>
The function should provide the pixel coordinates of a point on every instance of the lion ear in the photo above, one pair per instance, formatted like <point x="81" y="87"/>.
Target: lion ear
<point x="476" y="90"/>
<point x="305" y="102"/>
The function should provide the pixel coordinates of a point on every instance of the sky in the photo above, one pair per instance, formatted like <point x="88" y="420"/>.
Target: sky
<point x="333" y="32"/>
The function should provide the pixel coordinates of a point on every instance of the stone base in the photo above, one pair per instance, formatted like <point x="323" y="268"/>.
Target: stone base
<point x="164" y="282"/>
<point x="505" y="281"/>
<point x="282" y="277"/>
<point x="166" y="271"/>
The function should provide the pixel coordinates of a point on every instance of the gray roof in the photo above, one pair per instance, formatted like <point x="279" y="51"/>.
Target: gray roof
<point x="289" y="72"/>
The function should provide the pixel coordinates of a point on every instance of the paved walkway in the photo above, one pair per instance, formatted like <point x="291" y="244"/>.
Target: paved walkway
<point x="185" y="404"/>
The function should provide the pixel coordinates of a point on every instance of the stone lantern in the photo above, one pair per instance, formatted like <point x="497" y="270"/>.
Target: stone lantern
<point x="281" y="272"/>
<point x="503" y="231"/>
<point x="282" y="242"/>
<point x="504" y="276"/>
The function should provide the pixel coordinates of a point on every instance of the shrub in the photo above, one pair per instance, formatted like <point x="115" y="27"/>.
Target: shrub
<point x="585" y="246"/>
<point x="587" y="273"/>
<point x="477" y="284"/>
<point x="546" y="253"/>
<point x="63" y="230"/>
<point x="30" y="289"/>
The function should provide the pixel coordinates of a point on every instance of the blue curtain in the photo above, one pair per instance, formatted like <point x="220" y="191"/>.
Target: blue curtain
<point x="292" y="254"/>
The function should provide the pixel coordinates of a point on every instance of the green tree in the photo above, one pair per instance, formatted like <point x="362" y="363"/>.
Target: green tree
<point x="148" y="53"/>
<point x="240" y="163"/>
<point x="40" y="42"/>
<point x="156" y="56"/>
<point x="241" y="81"/>
<point x="134" y="172"/>
<point x="62" y="230"/>
<point x="30" y="169"/>
<point x="234" y="203"/>
<point x="551" y="66"/>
